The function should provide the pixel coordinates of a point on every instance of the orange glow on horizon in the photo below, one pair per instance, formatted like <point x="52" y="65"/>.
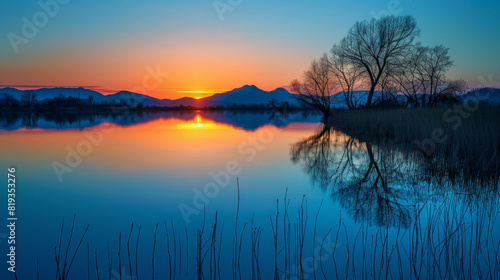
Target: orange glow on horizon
<point x="194" y="70"/>
<point x="199" y="93"/>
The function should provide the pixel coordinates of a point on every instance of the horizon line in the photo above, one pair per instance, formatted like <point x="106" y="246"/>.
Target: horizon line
<point x="104" y="90"/>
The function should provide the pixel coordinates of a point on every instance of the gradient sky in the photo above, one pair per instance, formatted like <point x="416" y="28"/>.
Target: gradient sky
<point x="109" y="45"/>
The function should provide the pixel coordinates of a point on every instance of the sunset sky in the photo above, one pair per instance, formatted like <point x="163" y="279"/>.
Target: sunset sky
<point x="115" y="45"/>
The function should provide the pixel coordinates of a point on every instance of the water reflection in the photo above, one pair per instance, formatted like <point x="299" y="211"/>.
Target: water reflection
<point x="381" y="182"/>
<point x="247" y="120"/>
<point x="150" y="163"/>
<point x="140" y="168"/>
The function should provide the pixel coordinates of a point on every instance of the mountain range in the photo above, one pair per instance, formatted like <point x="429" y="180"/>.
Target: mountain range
<point x="246" y="95"/>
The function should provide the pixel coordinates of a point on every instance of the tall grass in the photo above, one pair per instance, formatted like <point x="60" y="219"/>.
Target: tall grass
<point x="455" y="143"/>
<point x="448" y="240"/>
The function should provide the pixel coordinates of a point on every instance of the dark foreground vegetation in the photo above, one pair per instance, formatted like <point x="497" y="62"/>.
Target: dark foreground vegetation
<point x="456" y="140"/>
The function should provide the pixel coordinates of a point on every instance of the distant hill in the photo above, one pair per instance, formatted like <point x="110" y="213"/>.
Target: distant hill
<point x="82" y="93"/>
<point x="250" y="95"/>
<point x="134" y="99"/>
<point x="483" y="95"/>
<point x="12" y="91"/>
<point x="246" y="95"/>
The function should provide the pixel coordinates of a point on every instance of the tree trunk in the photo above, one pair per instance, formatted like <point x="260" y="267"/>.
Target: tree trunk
<point x="326" y="115"/>
<point x="370" y="96"/>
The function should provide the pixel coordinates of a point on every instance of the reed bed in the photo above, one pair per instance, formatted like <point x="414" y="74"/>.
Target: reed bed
<point x="456" y="142"/>
<point x="445" y="240"/>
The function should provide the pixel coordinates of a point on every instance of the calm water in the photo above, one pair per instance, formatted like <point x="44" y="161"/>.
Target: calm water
<point x="386" y="211"/>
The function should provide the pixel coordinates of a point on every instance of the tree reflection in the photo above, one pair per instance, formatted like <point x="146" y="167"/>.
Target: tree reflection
<point x="371" y="191"/>
<point x="364" y="179"/>
<point x="29" y="120"/>
<point x="316" y="157"/>
<point x="382" y="182"/>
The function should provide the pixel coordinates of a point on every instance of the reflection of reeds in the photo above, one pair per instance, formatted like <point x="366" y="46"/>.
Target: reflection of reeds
<point x="62" y="273"/>
<point x="128" y="251"/>
<point x="175" y="246"/>
<point x="314" y="238"/>
<point x="168" y="251"/>
<point x="256" y="233"/>
<point x="199" y="245"/>
<point x="443" y="241"/>
<point x="286" y="238"/>
<point x="220" y="250"/>
<point x="88" y="260"/>
<point x="110" y="262"/>
<point x="154" y="248"/>
<point x="321" y="253"/>
<point x="300" y="228"/>
<point x="96" y="265"/>
<point x="187" y="251"/>
<point x="235" y="260"/>
<point x="120" y="255"/>
<point x="274" y="227"/>
<point x="136" y="252"/>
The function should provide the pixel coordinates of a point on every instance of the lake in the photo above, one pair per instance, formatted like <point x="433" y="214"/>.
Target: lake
<point x="256" y="195"/>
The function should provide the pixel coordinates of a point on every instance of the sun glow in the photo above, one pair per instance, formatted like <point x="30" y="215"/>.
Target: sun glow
<point x="200" y="93"/>
<point x="199" y="123"/>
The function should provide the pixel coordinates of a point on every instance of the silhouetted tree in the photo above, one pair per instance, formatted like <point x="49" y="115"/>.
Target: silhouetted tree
<point x="71" y="102"/>
<point x="348" y="77"/>
<point x="90" y="100"/>
<point x="388" y="90"/>
<point x="317" y="87"/>
<point x="422" y="76"/>
<point x="377" y="45"/>
<point x="28" y="98"/>
<point x="9" y="101"/>
<point x="277" y="106"/>
<point x="59" y="100"/>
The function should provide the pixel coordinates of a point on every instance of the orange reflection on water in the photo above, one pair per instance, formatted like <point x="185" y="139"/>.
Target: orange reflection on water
<point x="172" y="145"/>
<point x="202" y="124"/>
